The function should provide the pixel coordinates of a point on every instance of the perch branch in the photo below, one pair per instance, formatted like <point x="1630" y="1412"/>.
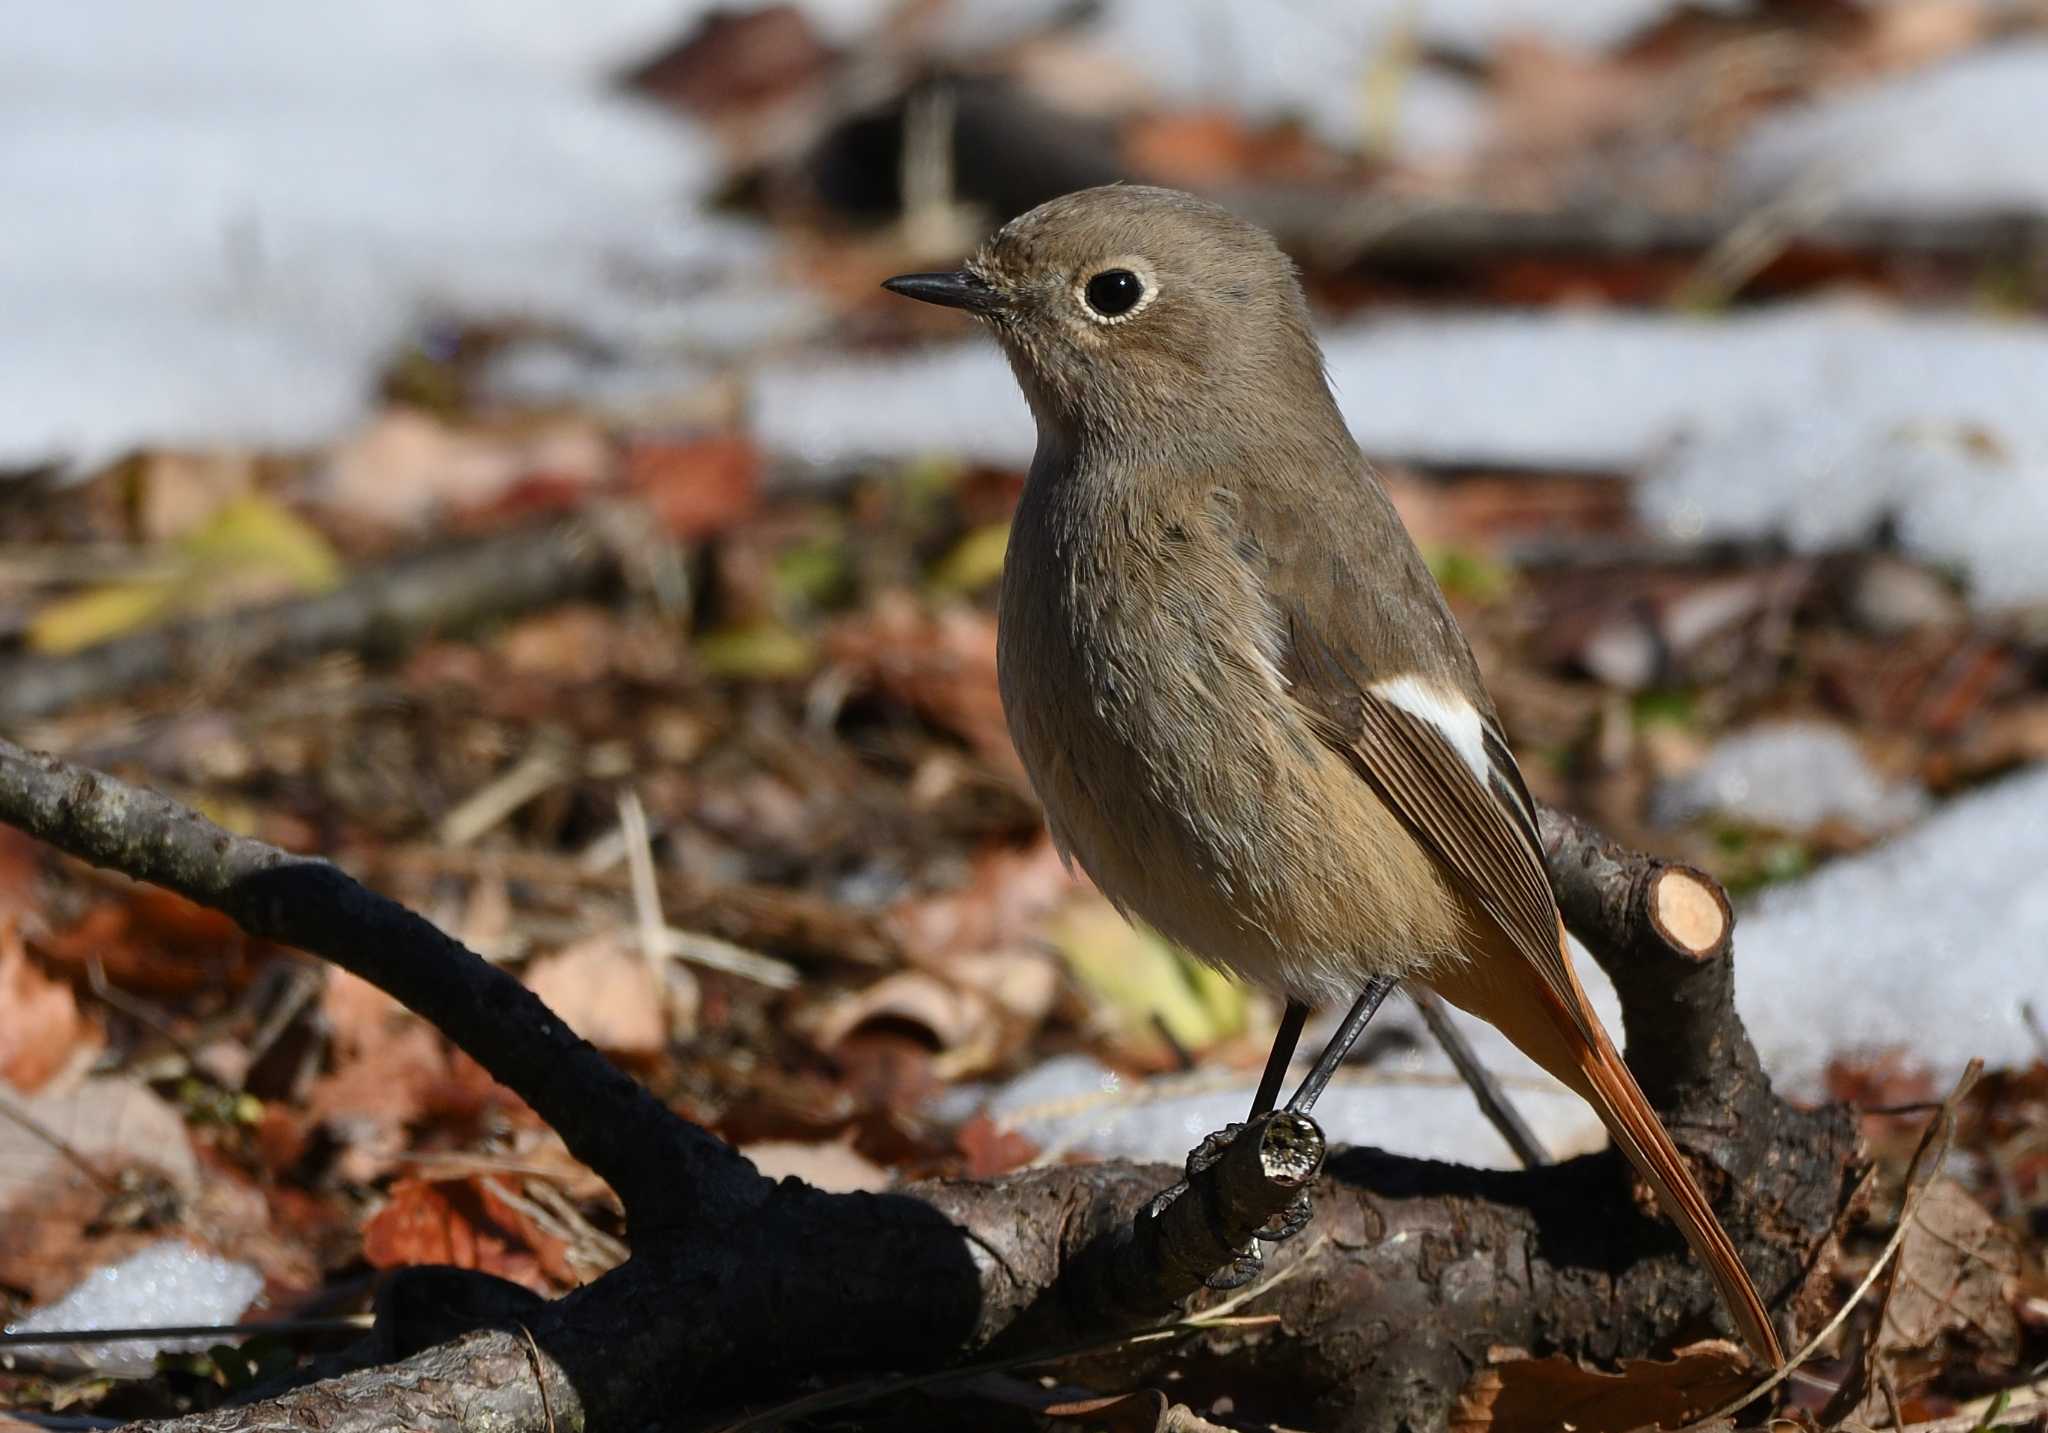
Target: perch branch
<point x="739" y="1289"/>
<point x="658" y="1164"/>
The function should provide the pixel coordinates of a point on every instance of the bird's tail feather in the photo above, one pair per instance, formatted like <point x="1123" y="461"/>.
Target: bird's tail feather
<point x="1572" y="1047"/>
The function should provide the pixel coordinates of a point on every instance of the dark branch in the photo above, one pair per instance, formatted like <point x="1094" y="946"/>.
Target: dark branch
<point x="663" y="1168"/>
<point x="738" y="1288"/>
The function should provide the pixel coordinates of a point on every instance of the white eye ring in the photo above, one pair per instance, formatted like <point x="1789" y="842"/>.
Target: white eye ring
<point x="1125" y="263"/>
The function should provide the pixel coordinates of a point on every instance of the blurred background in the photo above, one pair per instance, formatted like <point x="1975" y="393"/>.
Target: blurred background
<point x="469" y="441"/>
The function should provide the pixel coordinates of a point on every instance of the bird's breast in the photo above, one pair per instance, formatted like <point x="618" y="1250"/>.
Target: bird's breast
<point x="1140" y="667"/>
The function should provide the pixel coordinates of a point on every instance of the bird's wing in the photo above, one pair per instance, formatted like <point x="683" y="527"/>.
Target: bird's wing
<point x="1385" y="678"/>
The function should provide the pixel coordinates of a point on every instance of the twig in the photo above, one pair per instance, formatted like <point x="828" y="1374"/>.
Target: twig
<point x="28" y="1122"/>
<point x="1493" y="1100"/>
<point x="639" y="848"/>
<point x="351" y="1323"/>
<point x="540" y="1378"/>
<point x="660" y="1166"/>
<point x="385" y="608"/>
<point x="544" y="766"/>
<point x="1933" y="1145"/>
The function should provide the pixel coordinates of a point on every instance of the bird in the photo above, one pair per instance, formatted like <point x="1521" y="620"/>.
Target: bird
<point x="1237" y="690"/>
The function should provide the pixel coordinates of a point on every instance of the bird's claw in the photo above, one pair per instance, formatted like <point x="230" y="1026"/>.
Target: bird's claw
<point x="1289" y="1221"/>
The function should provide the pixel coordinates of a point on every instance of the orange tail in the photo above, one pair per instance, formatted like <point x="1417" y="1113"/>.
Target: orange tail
<point x="1501" y="989"/>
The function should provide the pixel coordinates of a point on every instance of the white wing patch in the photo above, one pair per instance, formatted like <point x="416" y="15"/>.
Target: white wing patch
<point x="1448" y="712"/>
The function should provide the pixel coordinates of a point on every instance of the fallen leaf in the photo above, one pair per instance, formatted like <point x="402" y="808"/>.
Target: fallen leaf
<point x="941" y="665"/>
<point x="975" y="562"/>
<point x="40" y="1025"/>
<point x="386" y="1062"/>
<point x="47" y="1203"/>
<point x="250" y="550"/>
<point x="990" y="1149"/>
<point x="1145" y="980"/>
<point x="957" y="1022"/>
<point x="1003" y="903"/>
<point x="605" y="992"/>
<point x="153" y="942"/>
<point x="406" y="466"/>
<point x="831" y="1166"/>
<point x="696" y="488"/>
<point x="446" y="1222"/>
<point x="1957" y="1271"/>
<point x="1519" y="1394"/>
<point x="734" y="60"/>
<point x="764" y="651"/>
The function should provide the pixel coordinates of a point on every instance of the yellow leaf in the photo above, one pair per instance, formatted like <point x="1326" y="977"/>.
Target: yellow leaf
<point x="763" y="651"/>
<point x="255" y="533"/>
<point x="975" y="561"/>
<point x="249" y="549"/>
<point x="93" y="617"/>
<point x="1143" y="977"/>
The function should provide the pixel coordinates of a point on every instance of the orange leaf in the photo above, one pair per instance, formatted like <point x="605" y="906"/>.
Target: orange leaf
<point x="40" y="1026"/>
<point x="1517" y="1394"/>
<point x="695" y="488"/>
<point x="446" y="1222"/>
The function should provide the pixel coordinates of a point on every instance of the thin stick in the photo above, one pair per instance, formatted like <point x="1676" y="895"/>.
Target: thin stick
<point x="1493" y="1100"/>
<point x="352" y="1323"/>
<point x="102" y="1182"/>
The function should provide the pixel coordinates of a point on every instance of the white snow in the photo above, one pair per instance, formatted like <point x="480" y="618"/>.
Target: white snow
<point x="1791" y="775"/>
<point x="164" y="1285"/>
<point x="1815" y="421"/>
<point x="1961" y="137"/>
<point x="1929" y="943"/>
<point x="224" y="216"/>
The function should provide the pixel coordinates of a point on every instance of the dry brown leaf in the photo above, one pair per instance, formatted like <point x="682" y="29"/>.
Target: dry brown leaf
<point x="386" y="1063"/>
<point x="1957" y="1271"/>
<point x="1519" y="1394"/>
<point x="942" y="665"/>
<point x="990" y="1149"/>
<point x="831" y="1166"/>
<point x="1004" y="902"/>
<point x="695" y="488"/>
<point x="150" y="941"/>
<point x="41" y="1028"/>
<point x="406" y="466"/>
<point x="447" y="1222"/>
<point x="47" y="1203"/>
<point x="605" y="992"/>
<point x="953" y="1019"/>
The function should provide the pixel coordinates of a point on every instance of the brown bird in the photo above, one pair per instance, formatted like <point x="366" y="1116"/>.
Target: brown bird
<point x="1237" y="689"/>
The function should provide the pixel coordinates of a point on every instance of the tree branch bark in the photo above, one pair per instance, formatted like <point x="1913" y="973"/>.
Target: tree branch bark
<point x="742" y="1291"/>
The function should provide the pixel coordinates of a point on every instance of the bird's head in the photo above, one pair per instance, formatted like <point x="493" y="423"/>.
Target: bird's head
<point x="1127" y="307"/>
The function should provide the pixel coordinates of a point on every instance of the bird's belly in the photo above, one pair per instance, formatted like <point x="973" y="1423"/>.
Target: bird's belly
<point x="1198" y="799"/>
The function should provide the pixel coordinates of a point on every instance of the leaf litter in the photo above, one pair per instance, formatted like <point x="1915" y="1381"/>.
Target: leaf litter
<point x="861" y="939"/>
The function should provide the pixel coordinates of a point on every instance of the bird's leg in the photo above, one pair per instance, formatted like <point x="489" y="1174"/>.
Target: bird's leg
<point x="1295" y="1217"/>
<point x="1284" y="1041"/>
<point x="1362" y="1010"/>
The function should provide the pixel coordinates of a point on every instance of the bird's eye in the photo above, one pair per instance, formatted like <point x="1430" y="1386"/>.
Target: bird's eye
<point x="1114" y="292"/>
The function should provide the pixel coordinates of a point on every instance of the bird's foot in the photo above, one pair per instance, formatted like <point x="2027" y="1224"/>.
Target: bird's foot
<point x="1249" y="1260"/>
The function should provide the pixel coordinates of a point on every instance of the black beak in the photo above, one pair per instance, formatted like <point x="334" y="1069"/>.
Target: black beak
<point x="955" y="290"/>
